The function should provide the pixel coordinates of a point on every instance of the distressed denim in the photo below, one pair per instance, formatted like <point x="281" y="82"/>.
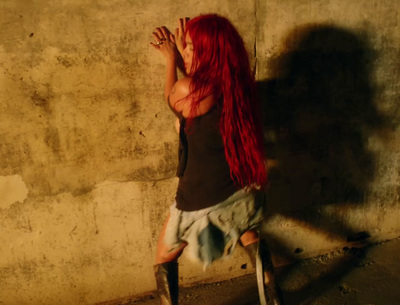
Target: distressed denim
<point x="214" y="232"/>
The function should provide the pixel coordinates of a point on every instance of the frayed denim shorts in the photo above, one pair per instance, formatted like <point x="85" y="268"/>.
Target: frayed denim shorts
<point x="214" y="232"/>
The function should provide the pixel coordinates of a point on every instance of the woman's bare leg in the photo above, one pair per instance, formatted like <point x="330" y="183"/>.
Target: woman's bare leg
<point x="166" y="270"/>
<point x="251" y="237"/>
<point x="270" y="289"/>
<point x="163" y="253"/>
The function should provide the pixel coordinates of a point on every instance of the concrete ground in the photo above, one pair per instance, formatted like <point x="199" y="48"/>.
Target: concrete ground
<point x="353" y="276"/>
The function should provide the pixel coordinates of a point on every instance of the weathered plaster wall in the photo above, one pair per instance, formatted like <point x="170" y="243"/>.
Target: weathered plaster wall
<point x="88" y="147"/>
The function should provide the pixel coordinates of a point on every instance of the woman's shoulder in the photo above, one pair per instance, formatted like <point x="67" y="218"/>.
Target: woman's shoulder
<point x="179" y="93"/>
<point x="181" y="88"/>
<point x="181" y="99"/>
<point x="184" y="83"/>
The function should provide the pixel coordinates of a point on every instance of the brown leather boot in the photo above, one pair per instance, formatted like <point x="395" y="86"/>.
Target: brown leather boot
<point x="268" y="289"/>
<point x="167" y="282"/>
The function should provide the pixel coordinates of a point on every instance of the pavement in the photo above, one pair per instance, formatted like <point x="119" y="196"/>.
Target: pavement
<point x="368" y="275"/>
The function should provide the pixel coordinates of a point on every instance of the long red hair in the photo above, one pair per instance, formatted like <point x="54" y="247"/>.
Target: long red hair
<point x="221" y="67"/>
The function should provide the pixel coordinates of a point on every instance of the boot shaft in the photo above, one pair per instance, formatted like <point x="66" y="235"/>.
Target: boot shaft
<point x="166" y="275"/>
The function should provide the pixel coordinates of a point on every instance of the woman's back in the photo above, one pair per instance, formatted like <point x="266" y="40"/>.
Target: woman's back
<point x="204" y="174"/>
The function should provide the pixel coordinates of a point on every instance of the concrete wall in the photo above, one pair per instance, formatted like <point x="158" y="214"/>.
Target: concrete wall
<point x="88" y="147"/>
<point x="329" y="76"/>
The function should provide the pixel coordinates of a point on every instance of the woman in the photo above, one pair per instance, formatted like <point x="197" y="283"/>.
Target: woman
<point x="221" y="161"/>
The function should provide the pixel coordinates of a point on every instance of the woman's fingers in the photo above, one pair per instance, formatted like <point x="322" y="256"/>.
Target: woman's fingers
<point x="179" y="34"/>
<point x="154" y="45"/>
<point x="165" y="32"/>
<point x="159" y="40"/>
<point x="180" y="28"/>
<point x="156" y="36"/>
<point x="160" y="33"/>
<point x="185" y="20"/>
<point x="182" y="24"/>
<point x="164" y="42"/>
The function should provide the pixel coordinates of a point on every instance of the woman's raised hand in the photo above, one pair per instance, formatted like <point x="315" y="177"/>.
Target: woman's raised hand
<point x="179" y="38"/>
<point x="164" y="42"/>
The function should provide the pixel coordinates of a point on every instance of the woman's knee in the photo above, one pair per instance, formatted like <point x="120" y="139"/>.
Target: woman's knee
<point x="164" y="255"/>
<point x="164" y="252"/>
<point x="249" y="237"/>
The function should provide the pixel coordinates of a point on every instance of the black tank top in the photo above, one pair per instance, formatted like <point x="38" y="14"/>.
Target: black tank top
<point x="204" y="174"/>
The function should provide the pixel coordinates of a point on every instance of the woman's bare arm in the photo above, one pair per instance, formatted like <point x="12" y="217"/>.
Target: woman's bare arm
<point x="164" y="42"/>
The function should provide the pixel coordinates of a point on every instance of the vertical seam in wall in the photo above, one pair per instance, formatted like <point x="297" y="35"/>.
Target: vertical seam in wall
<point x="256" y="23"/>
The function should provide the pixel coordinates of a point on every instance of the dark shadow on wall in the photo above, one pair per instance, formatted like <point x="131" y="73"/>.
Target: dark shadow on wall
<point x="319" y="112"/>
<point x="321" y="105"/>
